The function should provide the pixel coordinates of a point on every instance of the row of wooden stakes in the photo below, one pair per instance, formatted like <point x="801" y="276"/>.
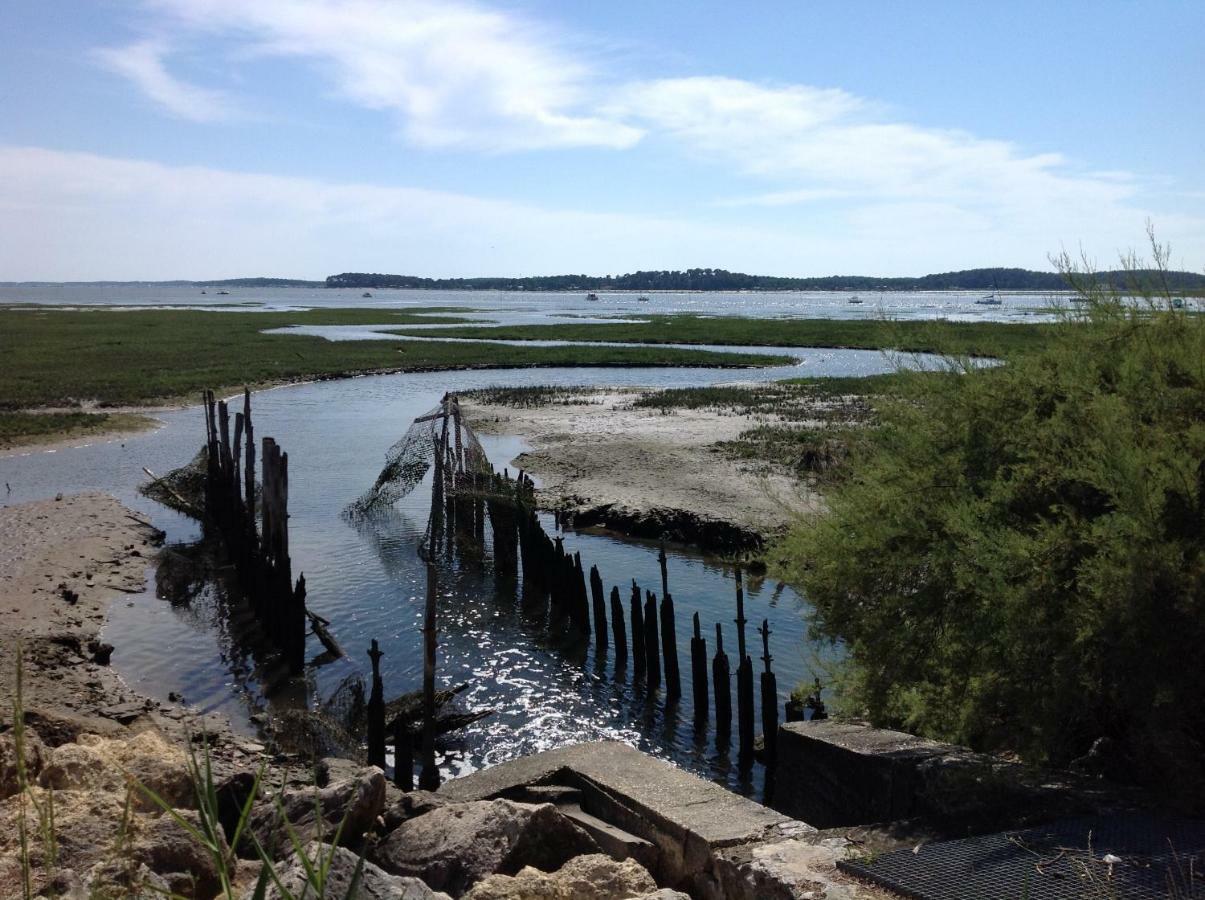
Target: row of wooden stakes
<point x="259" y="552"/>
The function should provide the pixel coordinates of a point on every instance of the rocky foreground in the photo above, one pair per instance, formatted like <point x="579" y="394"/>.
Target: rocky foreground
<point x="113" y="838"/>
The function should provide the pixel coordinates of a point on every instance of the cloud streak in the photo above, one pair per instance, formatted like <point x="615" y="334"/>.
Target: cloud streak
<point x="142" y="63"/>
<point x="454" y="74"/>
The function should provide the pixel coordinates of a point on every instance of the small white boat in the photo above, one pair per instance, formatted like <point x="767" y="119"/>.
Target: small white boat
<point x="855" y="299"/>
<point x="592" y="297"/>
<point x="989" y="300"/>
<point x="223" y="293"/>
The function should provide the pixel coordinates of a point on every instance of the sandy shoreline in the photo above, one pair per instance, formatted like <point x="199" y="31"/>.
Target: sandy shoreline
<point x="647" y="473"/>
<point x="63" y="563"/>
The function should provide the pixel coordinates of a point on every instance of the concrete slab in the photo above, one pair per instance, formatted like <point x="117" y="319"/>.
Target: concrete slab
<point x="702" y="838"/>
<point x="709" y="811"/>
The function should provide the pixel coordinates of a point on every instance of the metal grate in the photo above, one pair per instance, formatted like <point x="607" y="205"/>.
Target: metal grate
<point x="1159" y="859"/>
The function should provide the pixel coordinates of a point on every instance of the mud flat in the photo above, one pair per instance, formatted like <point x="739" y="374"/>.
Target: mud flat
<point x="605" y="462"/>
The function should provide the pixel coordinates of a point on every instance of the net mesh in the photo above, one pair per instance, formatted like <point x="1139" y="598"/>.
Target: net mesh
<point x="408" y="461"/>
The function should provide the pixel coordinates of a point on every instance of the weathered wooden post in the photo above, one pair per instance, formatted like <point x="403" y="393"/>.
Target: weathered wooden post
<point x="651" y="641"/>
<point x="698" y="672"/>
<point x="600" y="609"/>
<point x="662" y="561"/>
<point x="581" y="605"/>
<point x="744" y="710"/>
<point x="639" y="655"/>
<point x="376" y="711"/>
<point x="403" y="755"/>
<point x="429" y="779"/>
<point x="669" y="647"/>
<point x="618" y="626"/>
<point x="769" y="699"/>
<point x="721" y="674"/>
<point x="744" y="682"/>
<point x="249" y="464"/>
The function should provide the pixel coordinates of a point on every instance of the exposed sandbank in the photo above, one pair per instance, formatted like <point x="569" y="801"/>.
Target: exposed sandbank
<point x="644" y="472"/>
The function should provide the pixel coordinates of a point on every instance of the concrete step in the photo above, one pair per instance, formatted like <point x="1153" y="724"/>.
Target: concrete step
<point x="613" y="840"/>
<point x="549" y="793"/>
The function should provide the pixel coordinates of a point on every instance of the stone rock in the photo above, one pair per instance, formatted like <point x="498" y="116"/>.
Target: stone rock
<point x="73" y="767"/>
<point x="35" y="754"/>
<point x="65" y="884"/>
<point x="410" y="806"/>
<point x="126" y="879"/>
<point x="97" y="763"/>
<point x="334" y="769"/>
<point x="453" y="847"/>
<point x="592" y="877"/>
<point x="663" y="894"/>
<point x="169" y="850"/>
<point x="374" y="883"/>
<point x="317" y="813"/>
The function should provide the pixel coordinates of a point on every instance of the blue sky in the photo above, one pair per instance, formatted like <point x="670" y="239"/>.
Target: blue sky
<point x="214" y="138"/>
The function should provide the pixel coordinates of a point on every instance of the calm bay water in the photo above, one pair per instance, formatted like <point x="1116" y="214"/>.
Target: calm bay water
<point x="513" y="307"/>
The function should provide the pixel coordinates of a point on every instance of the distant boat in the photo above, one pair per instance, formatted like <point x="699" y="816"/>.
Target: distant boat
<point x="592" y="296"/>
<point x="989" y="300"/>
<point x="223" y="293"/>
<point x="366" y="294"/>
<point x="855" y="299"/>
<point x="202" y="292"/>
<point x="642" y="299"/>
<point x="1177" y="302"/>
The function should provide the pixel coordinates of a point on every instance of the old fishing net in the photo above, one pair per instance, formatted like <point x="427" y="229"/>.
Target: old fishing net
<point x="181" y="489"/>
<point x="408" y="461"/>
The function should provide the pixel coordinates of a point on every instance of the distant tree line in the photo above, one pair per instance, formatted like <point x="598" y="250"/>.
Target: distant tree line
<point x="723" y="280"/>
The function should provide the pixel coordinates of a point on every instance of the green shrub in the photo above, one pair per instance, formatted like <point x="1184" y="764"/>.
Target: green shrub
<point x="1016" y="558"/>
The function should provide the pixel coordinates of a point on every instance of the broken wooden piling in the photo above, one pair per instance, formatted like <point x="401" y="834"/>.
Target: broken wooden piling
<point x="429" y="778"/>
<point x="652" y="648"/>
<point x="769" y="700"/>
<point x="698" y="672"/>
<point x="617" y="626"/>
<point x="669" y="649"/>
<point x="639" y="654"/>
<point x="721" y="673"/>
<point x="376" y="711"/>
<point x="744" y="682"/>
<point x="600" y="610"/>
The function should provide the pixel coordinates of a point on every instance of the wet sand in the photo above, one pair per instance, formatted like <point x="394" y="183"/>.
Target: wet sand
<point x="642" y="471"/>
<point x="62" y="564"/>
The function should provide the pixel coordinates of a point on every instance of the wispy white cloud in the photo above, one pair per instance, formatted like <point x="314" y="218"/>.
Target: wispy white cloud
<point x="821" y="143"/>
<point x="455" y="74"/>
<point x="143" y="64"/>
